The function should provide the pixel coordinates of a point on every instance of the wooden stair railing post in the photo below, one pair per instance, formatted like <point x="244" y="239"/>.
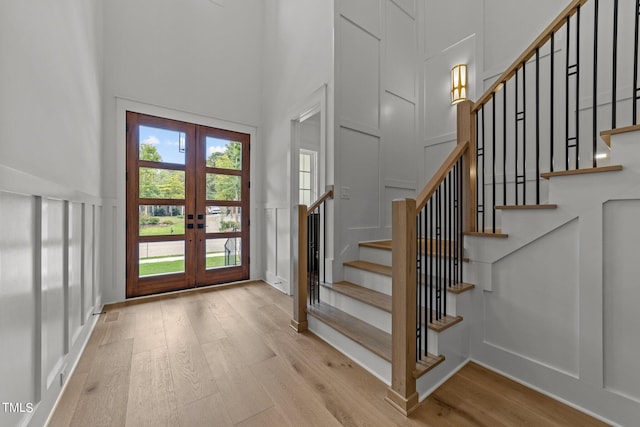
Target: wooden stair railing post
<point x="299" y="321"/>
<point x="402" y="394"/>
<point x="466" y="128"/>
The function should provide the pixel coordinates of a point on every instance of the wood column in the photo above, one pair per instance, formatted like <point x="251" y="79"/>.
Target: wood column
<point x="402" y="394"/>
<point x="299" y="321"/>
<point x="467" y="132"/>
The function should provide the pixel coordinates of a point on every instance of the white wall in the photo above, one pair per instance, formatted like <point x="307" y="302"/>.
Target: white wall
<point x="193" y="60"/>
<point x="298" y="62"/>
<point x="376" y="110"/>
<point x="50" y="196"/>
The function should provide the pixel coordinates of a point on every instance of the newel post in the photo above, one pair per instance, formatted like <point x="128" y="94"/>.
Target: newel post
<point x="299" y="321"/>
<point x="466" y="128"/>
<point x="402" y="394"/>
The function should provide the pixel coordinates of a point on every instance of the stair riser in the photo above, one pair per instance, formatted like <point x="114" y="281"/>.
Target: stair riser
<point x="375" y="281"/>
<point x="365" y="312"/>
<point x="379" y="256"/>
<point x="377" y="366"/>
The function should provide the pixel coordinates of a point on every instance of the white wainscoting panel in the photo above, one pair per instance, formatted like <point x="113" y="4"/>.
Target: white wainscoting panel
<point x="400" y="52"/>
<point x="533" y="309"/>
<point x="359" y="76"/>
<point x="54" y="217"/>
<point x="75" y="271"/>
<point x="360" y="171"/>
<point x="19" y="346"/>
<point x="621" y="294"/>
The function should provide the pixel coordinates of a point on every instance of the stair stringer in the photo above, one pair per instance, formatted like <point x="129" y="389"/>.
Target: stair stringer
<point x="580" y="217"/>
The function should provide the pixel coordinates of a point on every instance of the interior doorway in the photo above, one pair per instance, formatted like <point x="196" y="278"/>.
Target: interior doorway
<point x="187" y="205"/>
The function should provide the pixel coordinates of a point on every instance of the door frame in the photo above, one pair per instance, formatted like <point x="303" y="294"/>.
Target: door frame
<point x="314" y="104"/>
<point x="115" y="209"/>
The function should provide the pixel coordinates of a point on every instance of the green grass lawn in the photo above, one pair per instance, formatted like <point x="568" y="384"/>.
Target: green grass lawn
<point x="164" y="227"/>
<point x="166" y="267"/>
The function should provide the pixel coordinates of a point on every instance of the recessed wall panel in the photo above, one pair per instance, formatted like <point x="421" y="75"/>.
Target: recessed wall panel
<point x="532" y="310"/>
<point x="282" y="244"/>
<point x="75" y="271"/>
<point x="53" y="313"/>
<point x="18" y="350"/>
<point x="87" y="283"/>
<point x="399" y="147"/>
<point x="366" y="13"/>
<point x="621" y="296"/>
<point x="360" y="171"/>
<point x="400" y="52"/>
<point x="359" y="76"/>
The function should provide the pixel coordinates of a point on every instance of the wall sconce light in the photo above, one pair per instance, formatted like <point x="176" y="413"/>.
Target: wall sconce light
<point x="458" y="83"/>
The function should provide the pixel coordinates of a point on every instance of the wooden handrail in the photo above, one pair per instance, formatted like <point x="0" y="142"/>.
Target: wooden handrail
<point x="555" y="25"/>
<point x="440" y="175"/>
<point x="325" y="196"/>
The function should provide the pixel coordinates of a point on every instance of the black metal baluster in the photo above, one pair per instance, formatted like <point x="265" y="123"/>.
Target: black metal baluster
<point x="566" y="97"/>
<point x="537" y="126"/>
<point x="551" y="98"/>
<point x="577" y="111"/>
<point x="493" y="162"/>
<point x="418" y="287"/>
<point x="594" y="112"/>
<point x="438" y="259"/>
<point x="614" y="83"/>
<point x="515" y="148"/>
<point x="635" y="64"/>
<point x="455" y="223"/>
<point x="430" y="273"/>
<point x="524" y="133"/>
<point x="483" y="174"/>
<point x="461" y="223"/>
<point x="504" y="143"/>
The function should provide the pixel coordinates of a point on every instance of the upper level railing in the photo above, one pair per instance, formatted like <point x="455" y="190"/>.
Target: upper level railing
<point x="311" y="255"/>
<point x="546" y="111"/>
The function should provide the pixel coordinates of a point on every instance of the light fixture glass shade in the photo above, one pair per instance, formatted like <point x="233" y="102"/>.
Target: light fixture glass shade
<point x="458" y="83"/>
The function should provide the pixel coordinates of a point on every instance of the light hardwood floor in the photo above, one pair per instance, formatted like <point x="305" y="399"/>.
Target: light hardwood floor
<point x="227" y="357"/>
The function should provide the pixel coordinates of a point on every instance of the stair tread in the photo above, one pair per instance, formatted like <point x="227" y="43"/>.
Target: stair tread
<point x="524" y="207"/>
<point x="606" y="134"/>
<point x="386" y="245"/>
<point x="445" y="322"/>
<point x="370" y="337"/>
<point x="427" y="363"/>
<point x="379" y="244"/>
<point x="612" y="168"/>
<point x="370" y="266"/>
<point x="486" y="234"/>
<point x="461" y="287"/>
<point x="360" y="293"/>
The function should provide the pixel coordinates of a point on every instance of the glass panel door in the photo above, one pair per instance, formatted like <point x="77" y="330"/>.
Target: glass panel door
<point x="187" y="205"/>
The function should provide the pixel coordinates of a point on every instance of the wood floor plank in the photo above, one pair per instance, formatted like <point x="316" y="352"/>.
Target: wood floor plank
<point x="261" y="373"/>
<point x="267" y="418"/>
<point x="208" y="411"/>
<point x="68" y="402"/>
<point x="121" y="329"/>
<point x="103" y="401"/>
<point x="152" y="400"/>
<point x="192" y="378"/>
<point x="242" y="395"/>
<point x="149" y="331"/>
<point x="295" y="399"/>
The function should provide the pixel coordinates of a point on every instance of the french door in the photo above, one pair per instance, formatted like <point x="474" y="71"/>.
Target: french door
<point x="187" y="205"/>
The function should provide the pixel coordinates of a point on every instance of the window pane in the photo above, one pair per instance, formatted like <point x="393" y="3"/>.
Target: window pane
<point x="223" y="187"/>
<point x="162" y="145"/>
<point x="305" y="180"/>
<point x="223" y="154"/>
<point x="305" y="162"/>
<point x="161" y="184"/>
<point x="161" y="220"/>
<point x="223" y="219"/>
<point x="223" y="253"/>
<point x="161" y="258"/>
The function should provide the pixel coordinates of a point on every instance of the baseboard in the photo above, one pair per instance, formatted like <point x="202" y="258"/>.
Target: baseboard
<point x="547" y="393"/>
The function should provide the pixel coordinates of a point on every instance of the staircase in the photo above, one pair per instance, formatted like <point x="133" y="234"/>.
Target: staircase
<point x="532" y="217"/>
